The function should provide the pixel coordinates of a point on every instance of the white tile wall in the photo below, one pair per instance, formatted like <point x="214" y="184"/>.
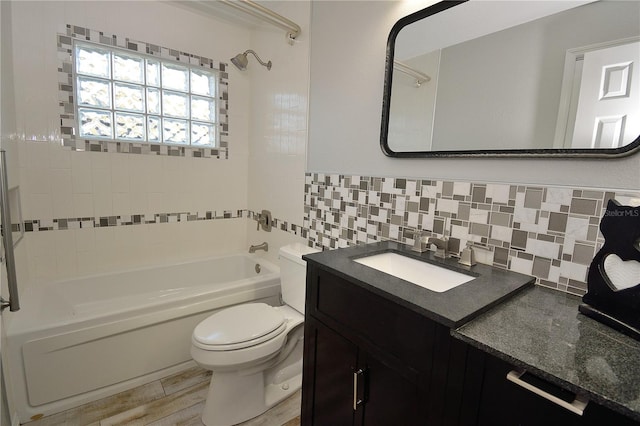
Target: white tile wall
<point x="57" y="255"/>
<point x="278" y="125"/>
<point x="58" y="183"/>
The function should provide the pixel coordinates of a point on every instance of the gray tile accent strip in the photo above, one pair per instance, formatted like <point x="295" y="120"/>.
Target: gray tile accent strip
<point x="61" y="224"/>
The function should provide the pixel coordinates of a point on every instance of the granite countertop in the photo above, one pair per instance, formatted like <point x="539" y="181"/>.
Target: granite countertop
<point x="451" y="308"/>
<point x="542" y="331"/>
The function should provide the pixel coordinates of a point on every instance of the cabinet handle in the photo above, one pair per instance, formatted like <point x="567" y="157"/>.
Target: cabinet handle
<point x="577" y="406"/>
<point x="356" y="378"/>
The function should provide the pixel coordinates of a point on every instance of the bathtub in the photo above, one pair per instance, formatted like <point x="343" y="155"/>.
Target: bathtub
<point x="80" y="340"/>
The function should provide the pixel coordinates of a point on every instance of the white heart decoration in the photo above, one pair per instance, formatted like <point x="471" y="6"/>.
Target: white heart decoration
<point x="622" y="274"/>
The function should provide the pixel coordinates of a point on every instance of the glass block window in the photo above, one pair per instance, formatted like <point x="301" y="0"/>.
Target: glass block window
<point x="129" y="96"/>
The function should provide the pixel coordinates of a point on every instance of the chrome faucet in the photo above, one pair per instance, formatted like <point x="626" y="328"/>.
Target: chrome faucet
<point x="442" y="246"/>
<point x="419" y="244"/>
<point x="264" y="246"/>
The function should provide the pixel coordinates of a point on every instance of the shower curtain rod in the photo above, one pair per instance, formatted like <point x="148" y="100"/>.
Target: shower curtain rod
<point x="419" y="76"/>
<point x="267" y="15"/>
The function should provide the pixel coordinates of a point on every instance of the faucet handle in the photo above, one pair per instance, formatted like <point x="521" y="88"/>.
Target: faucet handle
<point x="265" y="220"/>
<point x="467" y="257"/>
<point x="419" y="245"/>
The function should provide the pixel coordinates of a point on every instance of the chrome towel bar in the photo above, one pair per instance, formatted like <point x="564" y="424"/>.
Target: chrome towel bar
<point x="7" y="239"/>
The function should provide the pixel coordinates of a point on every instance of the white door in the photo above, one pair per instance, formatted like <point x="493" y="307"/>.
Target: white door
<point x="608" y="112"/>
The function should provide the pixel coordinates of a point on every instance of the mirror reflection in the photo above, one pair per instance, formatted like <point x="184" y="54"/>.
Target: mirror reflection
<point x="532" y="76"/>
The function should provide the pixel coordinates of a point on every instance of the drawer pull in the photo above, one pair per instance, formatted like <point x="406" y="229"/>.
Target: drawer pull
<point x="577" y="406"/>
<point x="356" y="379"/>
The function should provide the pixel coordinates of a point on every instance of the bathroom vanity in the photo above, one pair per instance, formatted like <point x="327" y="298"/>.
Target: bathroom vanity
<point x="380" y="350"/>
<point x="565" y="352"/>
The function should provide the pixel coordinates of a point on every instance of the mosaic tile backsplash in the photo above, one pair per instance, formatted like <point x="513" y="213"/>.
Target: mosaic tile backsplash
<point x="548" y="232"/>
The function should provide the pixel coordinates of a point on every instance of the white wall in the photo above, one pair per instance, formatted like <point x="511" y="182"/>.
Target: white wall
<point x="278" y="130"/>
<point x="8" y="143"/>
<point x="7" y="113"/>
<point x="57" y="183"/>
<point x="347" y="75"/>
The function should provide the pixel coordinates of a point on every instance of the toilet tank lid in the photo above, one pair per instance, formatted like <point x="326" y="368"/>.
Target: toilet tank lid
<point x="295" y="252"/>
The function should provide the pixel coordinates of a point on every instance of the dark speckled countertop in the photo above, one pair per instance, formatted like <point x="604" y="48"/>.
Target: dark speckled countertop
<point x="542" y="331"/>
<point x="451" y="308"/>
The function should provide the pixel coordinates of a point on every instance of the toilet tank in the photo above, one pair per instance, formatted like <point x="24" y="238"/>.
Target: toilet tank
<point x="293" y="274"/>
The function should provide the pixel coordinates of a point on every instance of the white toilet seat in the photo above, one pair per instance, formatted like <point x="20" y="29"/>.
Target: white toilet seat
<point x="249" y="352"/>
<point x="237" y="328"/>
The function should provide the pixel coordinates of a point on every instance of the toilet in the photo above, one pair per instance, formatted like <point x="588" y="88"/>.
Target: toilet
<point x="254" y="350"/>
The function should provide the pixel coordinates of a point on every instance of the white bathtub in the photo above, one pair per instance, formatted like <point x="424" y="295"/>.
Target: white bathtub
<point x="80" y="340"/>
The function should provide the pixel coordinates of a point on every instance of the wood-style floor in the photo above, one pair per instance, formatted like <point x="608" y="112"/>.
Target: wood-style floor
<point x="174" y="400"/>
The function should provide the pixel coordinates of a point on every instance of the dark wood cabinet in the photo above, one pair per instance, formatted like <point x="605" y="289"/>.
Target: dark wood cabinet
<point x="352" y="387"/>
<point x="505" y="403"/>
<point x="370" y="361"/>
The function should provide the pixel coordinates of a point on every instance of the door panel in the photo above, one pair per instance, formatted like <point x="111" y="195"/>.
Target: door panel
<point x="391" y="399"/>
<point x="608" y="114"/>
<point x="335" y="362"/>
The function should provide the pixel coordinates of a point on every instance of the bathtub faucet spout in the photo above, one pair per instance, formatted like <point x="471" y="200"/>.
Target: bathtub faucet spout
<point x="264" y="246"/>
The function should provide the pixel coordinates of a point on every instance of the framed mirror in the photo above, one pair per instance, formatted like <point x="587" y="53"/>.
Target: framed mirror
<point x="514" y="78"/>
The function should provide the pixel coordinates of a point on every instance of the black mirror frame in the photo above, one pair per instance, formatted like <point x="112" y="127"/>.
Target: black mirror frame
<point x="624" y="151"/>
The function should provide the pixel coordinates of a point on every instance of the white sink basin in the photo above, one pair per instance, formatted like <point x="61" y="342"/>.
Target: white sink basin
<point x="427" y="275"/>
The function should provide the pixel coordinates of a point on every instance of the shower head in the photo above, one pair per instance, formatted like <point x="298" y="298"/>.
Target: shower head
<point x="241" y="60"/>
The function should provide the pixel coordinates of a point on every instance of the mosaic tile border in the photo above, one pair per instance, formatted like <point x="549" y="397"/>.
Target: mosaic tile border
<point x="61" y="224"/>
<point x="283" y="225"/>
<point x="549" y="232"/>
<point x="66" y="98"/>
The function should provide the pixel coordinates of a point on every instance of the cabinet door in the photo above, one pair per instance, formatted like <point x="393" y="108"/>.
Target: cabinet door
<point x="391" y="397"/>
<point x="329" y="363"/>
<point x="386" y="394"/>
